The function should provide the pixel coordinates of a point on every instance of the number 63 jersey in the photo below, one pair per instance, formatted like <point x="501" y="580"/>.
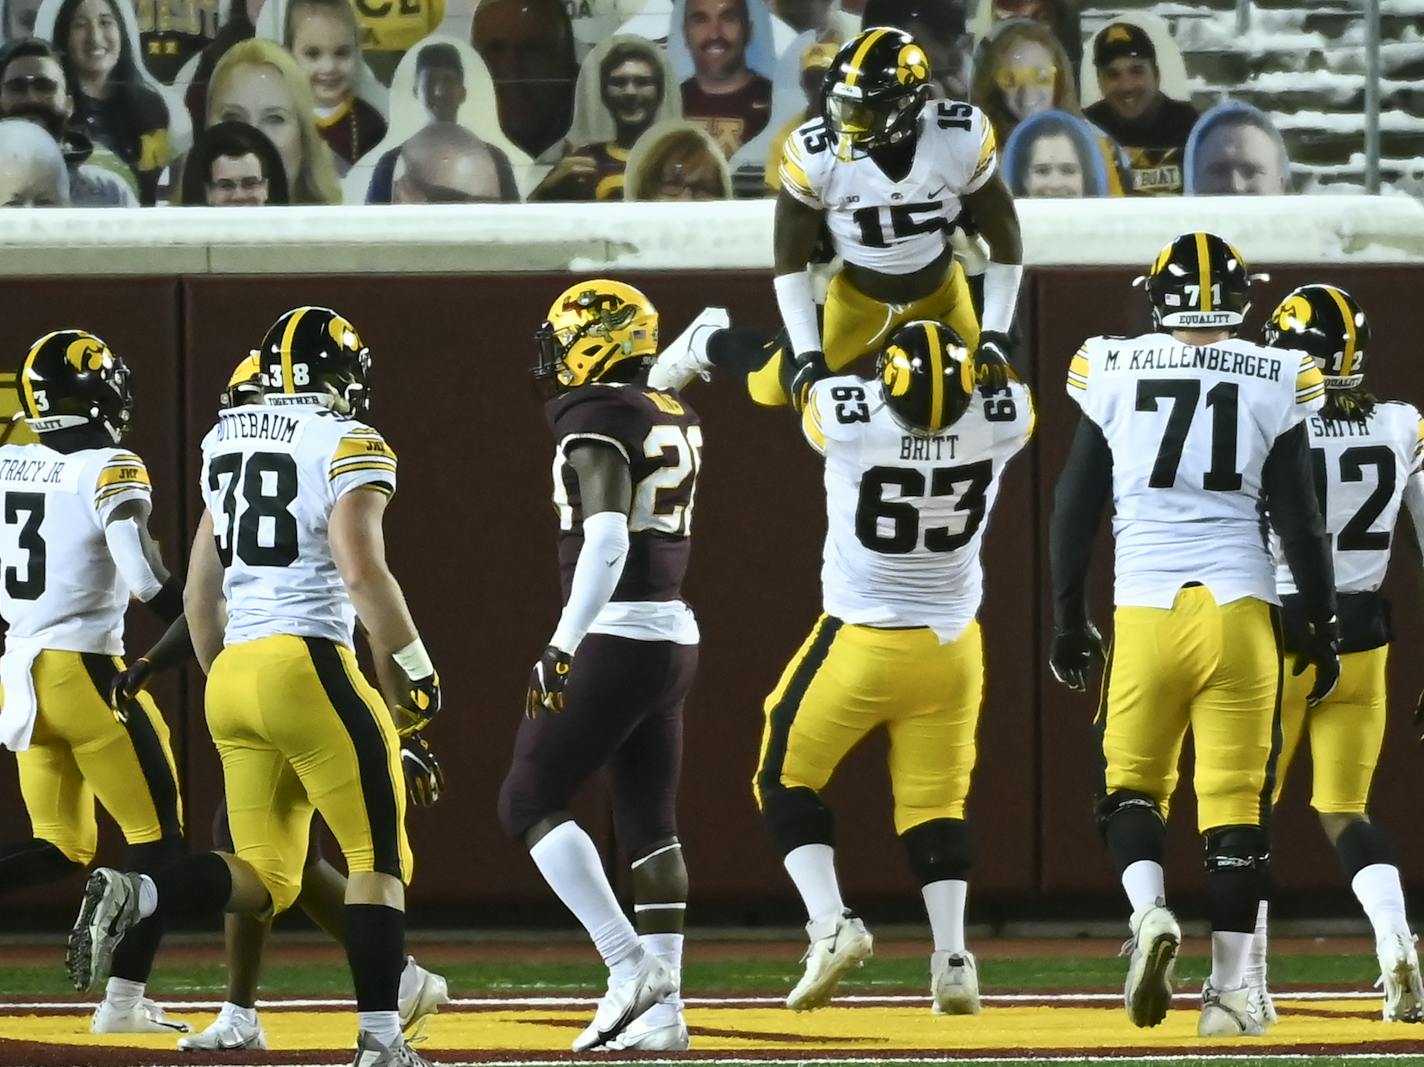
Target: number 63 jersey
<point x="905" y="513"/>
<point x="271" y="477"/>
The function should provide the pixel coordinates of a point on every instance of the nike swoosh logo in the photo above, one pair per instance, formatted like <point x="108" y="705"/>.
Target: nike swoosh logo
<point x="941" y="189"/>
<point x="611" y="562"/>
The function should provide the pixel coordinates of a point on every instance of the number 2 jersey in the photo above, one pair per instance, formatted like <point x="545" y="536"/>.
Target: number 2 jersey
<point x="905" y="514"/>
<point x="271" y="477"/>
<point x="1190" y="427"/>
<point x="661" y="439"/>
<point x="58" y="584"/>
<point x="895" y="227"/>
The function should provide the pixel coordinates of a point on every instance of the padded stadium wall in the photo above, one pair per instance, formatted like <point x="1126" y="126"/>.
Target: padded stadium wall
<point x="448" y="300"/>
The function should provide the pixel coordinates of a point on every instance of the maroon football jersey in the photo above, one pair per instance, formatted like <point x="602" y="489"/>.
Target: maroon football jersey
<point x="661" y="437"/>
<point x="732" y="119"/>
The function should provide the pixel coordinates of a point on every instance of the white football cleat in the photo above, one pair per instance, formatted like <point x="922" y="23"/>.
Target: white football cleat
<point x="1262" y="992"/>
<point x="145" y="1017"/>
<point x="1399" y="971"/>
<point x="1235" y="1013"/>
<point x="686" y="358"/>
<point x="421" y="995"/>
<point x="954" y="983"/>
<point x="654" y="982"/>
<point x="228" y="1033"/>
<point x="838" y="943"/>
<point x="109" y="910"/>
<point x="659" y="1029"/>
<point x="1152" y="956"/>
<point x="371" y="1053"/>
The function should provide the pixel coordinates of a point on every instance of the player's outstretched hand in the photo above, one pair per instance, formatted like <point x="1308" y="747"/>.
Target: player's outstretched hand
<point x="547" y="682"/>
<point x="1322" y="650"/>
<point x="424" y="778"/>
<point x="809" y="368"/>
<point x="1073" y="653"/>
<point x="422" y="703"/>
<point x="991" y="360"/>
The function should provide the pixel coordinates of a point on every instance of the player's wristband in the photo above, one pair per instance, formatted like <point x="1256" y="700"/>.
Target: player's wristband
<point x="414" y="660"/>
<point x="796" y="299"/>
<point x="1001" y="295"/>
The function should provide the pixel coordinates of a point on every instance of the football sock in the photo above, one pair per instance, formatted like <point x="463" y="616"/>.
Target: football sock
<point x="1229" y="951"/>
<point x="813" y="870"/>
<point x="1260" y="946"/>
<point x="123" y="994"/>
<point x="32" y="862"/>
<point x="1144" y="883"/>
<point x="147" y="896"/>
<point x="944" y="903"/>
<point x="570" y="864"/>
<point x="375" y="949"/>
<point x="668" y="948"/>
<point x="1378" y="889"/>
<point x="384" y="1026"/>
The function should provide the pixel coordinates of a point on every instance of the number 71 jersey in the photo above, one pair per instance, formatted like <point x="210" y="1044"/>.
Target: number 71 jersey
<point x="270" y="479"/>
<point x="905" y="514"/>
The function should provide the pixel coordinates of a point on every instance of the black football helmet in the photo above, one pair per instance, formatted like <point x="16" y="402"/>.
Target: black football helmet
<point x="1199" y="281"/>
<point x="1326" y="323"/>
<point x="71" y="378"/>
<point x="875" y="90"/>
<point x="926" y="376"/>
<point x="314" y="351"/>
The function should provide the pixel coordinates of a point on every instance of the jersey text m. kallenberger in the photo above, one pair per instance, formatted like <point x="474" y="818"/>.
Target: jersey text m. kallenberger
<point x="1196" y="357"/>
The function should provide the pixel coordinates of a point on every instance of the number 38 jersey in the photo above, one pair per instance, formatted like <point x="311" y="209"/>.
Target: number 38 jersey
<point x="270" y="478"/>
<point x="895" y="227"/>
<point x="1190" y="427"/>
<point x="905" y="514"/>
<point x="1364" y="470"/>
<point x="661" y="439"/>
<point x="58" y="584"/>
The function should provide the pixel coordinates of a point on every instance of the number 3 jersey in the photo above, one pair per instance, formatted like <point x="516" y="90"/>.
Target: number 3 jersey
<point x="905" y="514"/>
<point x="895" y="227"/>
<point x="1190" y="427"/>
<point x="271" y="477"/>
<point x="661" y="439"/>
<point x="59" y="587"/>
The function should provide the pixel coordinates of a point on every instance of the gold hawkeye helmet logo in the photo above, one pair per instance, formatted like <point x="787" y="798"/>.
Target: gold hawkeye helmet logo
<point x="87" y="354"/>
<point x="343" y="333"/>
<point x="899" y="372"/>
<point x="1294" y="314"/>
<point x="913" y="65"/>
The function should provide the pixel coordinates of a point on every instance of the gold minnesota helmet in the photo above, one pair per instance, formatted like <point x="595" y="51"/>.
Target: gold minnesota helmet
<point x="926" y="376"/>
<point x="594" y="327"/>
<point x="1330" y="326"/>
<point x="245" y="385"/>
<point x="316" y="352"/>
<point x="1199" y="281"/>
<point x="71" y="378"/>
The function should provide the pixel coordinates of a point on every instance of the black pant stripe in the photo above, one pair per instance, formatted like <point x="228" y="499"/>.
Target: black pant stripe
<point x="1100" y="728"/>
<point x="157" y="774"/>
<point x="372" y="756"/>
<point x="784" y="714"/>
<point x="1268" y="789"/>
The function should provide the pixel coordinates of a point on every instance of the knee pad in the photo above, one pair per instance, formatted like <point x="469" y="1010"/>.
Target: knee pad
<point x="1132" y="826"/>
<point x="152" y="856"/>
<point x="1363" y="844"/>
<point x="939" y="850"/>
<point x="1237" y="848"/>
<point x="796" y="817"/>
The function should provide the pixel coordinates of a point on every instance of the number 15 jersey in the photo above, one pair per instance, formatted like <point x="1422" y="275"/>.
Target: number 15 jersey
<point x="271" y="477"/>
<point x="905" y="514"/>
<point x="1190" y="427"/>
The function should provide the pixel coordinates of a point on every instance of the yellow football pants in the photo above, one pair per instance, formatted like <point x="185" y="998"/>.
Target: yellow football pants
<point x="855" y="325"/>
<point x="1346" y="731"/>
<point x="79" y="752"/>
<point x="845" y="681"/>
<point x="298" y="727"/>
<point x="1212" y="668"/>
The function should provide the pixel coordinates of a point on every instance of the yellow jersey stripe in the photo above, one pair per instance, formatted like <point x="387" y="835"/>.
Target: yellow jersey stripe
<point x="124" y="457"/>
<point x="352" y="468"/>
<point x="987" y="146"/>
<point x="123" y="487"/>
<point x="122" y="472"/>
<point x="1313" y="395"/>
<point x="383" y="461"/>
<point x="853" y="75"/>
<point x="1079" y="366"/>
<point x="936" y="377"/>
<point x="1204" y="269"/>
<point x="288" y="385"/>
<point x="1347" y="360"/>
<point x="811" y="427"/>
<point x="1032" y="416"/>
<point x="353" y="447"/>
<point x="1078" y="383"/>
<point x="793" y="174"/>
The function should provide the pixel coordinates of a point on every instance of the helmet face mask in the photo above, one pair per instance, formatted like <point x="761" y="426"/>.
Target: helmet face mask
<point x="874" y="92"/>
<point x="926" y="377"/>
<point x="71" y="379"/>
<point x="593" y="330"/>
<point x="1327" y="324"/>
<point x="1198" y="282"/>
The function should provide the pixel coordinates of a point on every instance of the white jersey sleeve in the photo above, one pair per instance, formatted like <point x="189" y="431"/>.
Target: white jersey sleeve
<point x="120" y="478"/>
<point x="361" y="460"/>
<point x="805" y="162"/>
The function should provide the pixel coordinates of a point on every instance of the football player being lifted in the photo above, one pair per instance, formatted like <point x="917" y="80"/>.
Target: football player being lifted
<point x="288" y="555"/>
<point x="888" y="171"/>
<point x="76" y="546"/>
<point x="1193" y="432"/>
<point x="608" y="689"/>
<point x="913" y="460"/>
<point x="1367" y="458"/>
<point x="323" y="890"/>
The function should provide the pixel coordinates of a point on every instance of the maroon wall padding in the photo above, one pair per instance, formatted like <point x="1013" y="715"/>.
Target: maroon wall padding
<point x="471" y="536"/>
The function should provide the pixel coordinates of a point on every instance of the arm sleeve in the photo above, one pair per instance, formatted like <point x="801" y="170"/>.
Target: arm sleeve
<point x="362" y="460"/>
<point x="173" y="648"/>
<point x="1289" y="489"/>
<point x="1078" y="501"/>
<point x="596" y="575"/>
<point x="122" y="478"/>
<point x="125" y="540"/>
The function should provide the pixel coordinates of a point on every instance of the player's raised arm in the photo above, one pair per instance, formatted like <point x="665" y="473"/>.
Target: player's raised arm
<point x="992" y="206"/>
<point x="794" y="242"/>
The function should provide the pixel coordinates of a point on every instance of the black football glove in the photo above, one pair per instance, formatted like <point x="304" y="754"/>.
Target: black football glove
<point x="991" y="360"/>
<point x="424" y="779"/>
<point x="1322" y="650"/>
<point x="547" y="682"/>
<point x="1072" y="653"/>
<point x="422" y="703"/>
<point x="127" y="684"/>
<point x="807" y="369"/>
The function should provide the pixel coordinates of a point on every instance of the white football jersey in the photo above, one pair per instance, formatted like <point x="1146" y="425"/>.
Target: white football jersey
<point x="1190" y="427"/>
<point x="1362" y="471"/>
<point x="271" y="476"/>
<point x="58" y="583"/>
<point x="889" y="226"/>
<point x="905" y="514"/>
